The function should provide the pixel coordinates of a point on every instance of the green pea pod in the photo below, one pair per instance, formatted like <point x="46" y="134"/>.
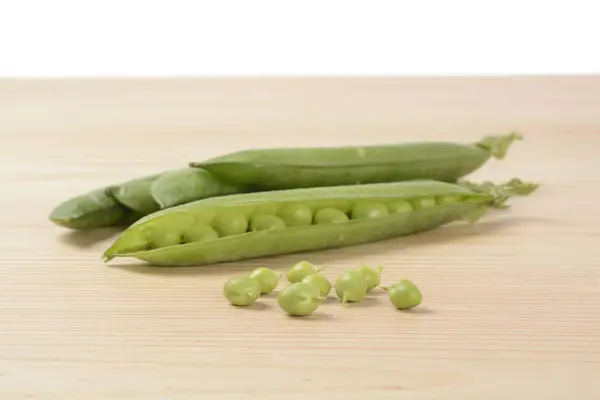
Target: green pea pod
<point x="288" y="168"/>
<point x="183" y="186"/>
<point x="136" y="194"/>
<point x="169" y="237"/>
<point x="124" y="203"/>
<point x="91" y="210"/>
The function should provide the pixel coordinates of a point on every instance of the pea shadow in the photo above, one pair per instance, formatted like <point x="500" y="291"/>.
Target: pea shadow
<point x="280" y="263"/>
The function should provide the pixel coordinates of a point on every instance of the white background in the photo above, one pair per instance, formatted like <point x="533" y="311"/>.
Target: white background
<point x="308" y="37"/>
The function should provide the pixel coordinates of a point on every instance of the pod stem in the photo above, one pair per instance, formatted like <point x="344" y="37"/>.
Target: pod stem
<point x="499" y="145"/>
<point x="501" y="192"/>
<point x="384" y="288"/>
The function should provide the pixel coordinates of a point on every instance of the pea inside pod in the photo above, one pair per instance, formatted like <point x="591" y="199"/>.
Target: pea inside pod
<point x="229" y="216"/>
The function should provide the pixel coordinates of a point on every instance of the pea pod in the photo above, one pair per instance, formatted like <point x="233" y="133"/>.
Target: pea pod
<point x="161" y="238"/>
<point x="303" y="167"/>
<point x="122" y="204"/>
<point x="91" y="210"/>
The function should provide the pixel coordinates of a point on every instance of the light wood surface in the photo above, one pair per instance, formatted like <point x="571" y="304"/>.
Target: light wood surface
<point x="511" y="306"/>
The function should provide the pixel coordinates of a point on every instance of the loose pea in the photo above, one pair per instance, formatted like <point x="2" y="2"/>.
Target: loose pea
<point x="449" y="199"/>
<point x="330" y="216"/>
<point x="424" y="203"/>
<point x="400" y="206"/>
<point x="241" y="290"/>
<point x="320" y="282"/>
<point x="266" y="278"/>
<point x="266" y="223"/>
<point x="299" y="299"/>
<point x="200" y="233"/>
<point x="404" y="294"/>
<point x="231" y="223"/>
<point x="295" y="214"/>
<point x="351" y="286"/>
<point x="372" y="276"/>
<point x="301" y="270"/>
<point x="369" y="210"/>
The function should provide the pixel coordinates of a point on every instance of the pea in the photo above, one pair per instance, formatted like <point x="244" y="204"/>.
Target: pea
<point x="166" y="238"/>
<point x="200" y="233"/>
<point x="241" y="290"/>
<point x="232" y="223"/>
<point x="320" y="282"/>
<point x="371" y="275"/>
<point x="266" y="223"/>
<point x="449" y="199"/>
<point x="424" y="203"/>
<point x="295" y="214"/>
<point x="266" y="278"/>
<point x="301" y="270"/>
<point x="351" y="286"/>
<point x="330" y="216"/>
<point x="404" y="294"/>
<point x="369" y="210"/>
<point x="400" y="206"/>
<point x="299" y="299"/>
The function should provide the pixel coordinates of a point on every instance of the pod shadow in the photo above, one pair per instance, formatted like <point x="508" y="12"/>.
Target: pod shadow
<point x="86" y="239"/>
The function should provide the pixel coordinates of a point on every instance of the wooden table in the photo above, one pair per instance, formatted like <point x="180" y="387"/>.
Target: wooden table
<point x="511" y="306"/>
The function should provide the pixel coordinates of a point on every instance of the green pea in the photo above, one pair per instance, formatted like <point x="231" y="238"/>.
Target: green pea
<point x="166" y="238"/>
<point x="400" y="206"/>
<point x="299" y="299"/>
<point x="320" y="282"/>
<point x="449" y="199"/>
<point x="369" y="210"/>
<point x="351" y="286"/>
<point x="266" y="278"/>
<point x="200" y="233"/>
<point x="232" y="223"/>
<point x="295" y="214"/>
<point x="371" y="275"/>
<point x="241" y="290"/>
<point x="330" y="216"/>
<point x="424" y="203"/>
<point x="266" y="223"/>
<point x="301" y="270"/>
<point x="404" y="294"/>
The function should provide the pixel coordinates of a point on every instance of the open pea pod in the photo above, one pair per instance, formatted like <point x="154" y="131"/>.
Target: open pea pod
<point x="303" y="167"/>
<point x="261" y="224"/>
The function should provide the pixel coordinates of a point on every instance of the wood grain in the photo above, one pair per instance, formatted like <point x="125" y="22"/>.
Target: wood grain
<point x="511" y="306"/>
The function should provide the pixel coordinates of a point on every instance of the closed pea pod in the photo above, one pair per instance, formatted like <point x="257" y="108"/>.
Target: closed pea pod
<point x="237" y="241"/>
<point x="303" y="167"/>
<point x="123" y="203"/>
